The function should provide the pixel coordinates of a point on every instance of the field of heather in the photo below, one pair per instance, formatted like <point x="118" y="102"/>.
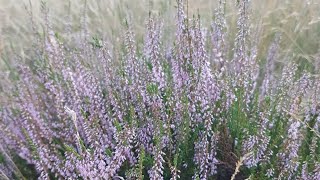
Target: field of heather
<point x="155" y="89"/>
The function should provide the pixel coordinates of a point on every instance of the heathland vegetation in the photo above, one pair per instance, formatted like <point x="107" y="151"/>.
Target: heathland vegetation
<point x="235" y="96"/>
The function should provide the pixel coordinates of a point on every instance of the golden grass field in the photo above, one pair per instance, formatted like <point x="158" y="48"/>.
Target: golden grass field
<point x="298" y="21"/>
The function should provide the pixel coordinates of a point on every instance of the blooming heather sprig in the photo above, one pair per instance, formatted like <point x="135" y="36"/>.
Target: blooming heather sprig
<point x="122" y="151"/>
<point x="267" y="87"/>
<point x="289" y="157"/>
<point x="202" y="156"/>
<point x="173" y="168"/>
<point x="160" y="138"/>
<point x="241" y="41"/>
<point x="285" y="83"/>
<point x="293" y="142"/>
<point x="153" y="53"/>
<point x="218" y="38"/>
<point x="132" y="64"/>
<point x="156" y="172"/>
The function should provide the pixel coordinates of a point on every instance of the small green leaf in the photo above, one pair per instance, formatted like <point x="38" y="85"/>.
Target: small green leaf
<point x="108" y="152"/>
<point x="96" y="42"/>
<point x="152" y="88"/>
<point x="2" y="159"/>
<point x="149" y="65"/>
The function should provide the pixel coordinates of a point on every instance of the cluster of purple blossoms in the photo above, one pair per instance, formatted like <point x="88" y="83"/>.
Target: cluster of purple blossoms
<point x="85" y="110"/>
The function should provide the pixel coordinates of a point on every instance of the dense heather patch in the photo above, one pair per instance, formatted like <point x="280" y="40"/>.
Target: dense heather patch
<point x="201" y="109"/>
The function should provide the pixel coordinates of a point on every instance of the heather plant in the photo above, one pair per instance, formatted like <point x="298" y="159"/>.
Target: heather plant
<point x="205" y="107"/>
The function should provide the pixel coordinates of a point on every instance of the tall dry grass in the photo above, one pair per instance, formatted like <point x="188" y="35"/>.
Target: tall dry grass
<point x="297" y="20"/>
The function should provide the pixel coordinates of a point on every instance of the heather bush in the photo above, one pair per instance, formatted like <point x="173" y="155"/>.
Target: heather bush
<point x="80" y="107"/>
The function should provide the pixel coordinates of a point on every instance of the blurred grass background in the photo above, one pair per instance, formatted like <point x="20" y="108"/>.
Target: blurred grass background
<point x="297" y="21"/>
